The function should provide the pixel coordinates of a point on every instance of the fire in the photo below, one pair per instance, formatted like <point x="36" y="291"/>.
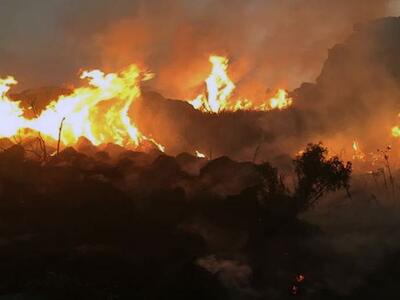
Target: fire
<point x="357" y="153"/>
<point x="396" y="131"/>
<point x="219" y="90"/>
<point x="280" y="100"/>
<point x="97" y="111"/>
<point x="219" y="87"/>
<point x="10" y="111"/>
<point x="200" y="155"/>
<point x="355" y="145"/>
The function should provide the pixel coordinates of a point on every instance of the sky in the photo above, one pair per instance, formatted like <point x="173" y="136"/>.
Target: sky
<point x="270" y="43"/>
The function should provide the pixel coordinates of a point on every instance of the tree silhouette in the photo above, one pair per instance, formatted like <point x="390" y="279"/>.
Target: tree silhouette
<point x="317" y="175"/>
<point x="272" y="186"/>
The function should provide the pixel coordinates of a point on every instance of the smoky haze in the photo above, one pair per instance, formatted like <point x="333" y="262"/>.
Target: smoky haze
<point x="270" y="43"/>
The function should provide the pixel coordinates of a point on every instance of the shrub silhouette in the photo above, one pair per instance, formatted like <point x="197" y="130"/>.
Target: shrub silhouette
<point x="317" y="175"/>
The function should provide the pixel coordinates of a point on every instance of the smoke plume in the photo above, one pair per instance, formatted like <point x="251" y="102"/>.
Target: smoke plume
<point x="270" y="43"/>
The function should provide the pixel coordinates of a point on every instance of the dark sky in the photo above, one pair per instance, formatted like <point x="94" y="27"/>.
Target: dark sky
<point x="270" y="42"/>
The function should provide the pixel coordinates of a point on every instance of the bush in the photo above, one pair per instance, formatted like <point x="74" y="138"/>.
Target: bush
<point x="317" y="175"/>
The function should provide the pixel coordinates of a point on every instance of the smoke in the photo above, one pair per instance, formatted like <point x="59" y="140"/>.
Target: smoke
<point x="48" y="42"/>
<point x="360" y="234"/>
<point x="354" y="97"/>
<point x="232" y="273"/>
<point x="270" y="43"/>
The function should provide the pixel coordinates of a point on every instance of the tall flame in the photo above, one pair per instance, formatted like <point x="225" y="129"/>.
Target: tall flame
<point x="219" y="90"/>
<point x="97" y="111"/>
<point x="219" y="87"/>
<point x="358" y="154"/>
<point x="10" y="112"/>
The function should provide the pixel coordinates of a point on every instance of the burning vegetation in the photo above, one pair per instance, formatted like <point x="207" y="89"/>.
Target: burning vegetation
<point x="97" y="111"/>
<point x="124" y="206"/>
<point x="219" y="90"/>
<point x="111" y="191"/>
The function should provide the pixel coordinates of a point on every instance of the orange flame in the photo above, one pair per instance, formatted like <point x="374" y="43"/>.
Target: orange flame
<point x="97" y="111"/>
<point x="219" y="87"/>
<point x="219" y="90"/>
<point x="280" y="100"/>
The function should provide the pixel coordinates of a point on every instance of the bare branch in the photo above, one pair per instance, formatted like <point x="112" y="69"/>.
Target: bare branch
<point x="59" y="135"/>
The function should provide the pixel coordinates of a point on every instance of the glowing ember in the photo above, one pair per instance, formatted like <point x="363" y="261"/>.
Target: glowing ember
<point x="220" y="88"/>
<point x="300" y="278"/>
<point x="97" y="111"/>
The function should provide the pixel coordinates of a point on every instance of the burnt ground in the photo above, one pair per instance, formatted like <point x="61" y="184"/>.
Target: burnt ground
<point x="132" y="225"/>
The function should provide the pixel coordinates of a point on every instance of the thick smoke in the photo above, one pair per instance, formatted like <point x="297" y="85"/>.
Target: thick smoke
<point x="270" y="43"/>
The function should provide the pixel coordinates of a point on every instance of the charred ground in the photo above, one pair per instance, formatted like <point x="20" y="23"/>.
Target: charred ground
<point x="126" y="224"/>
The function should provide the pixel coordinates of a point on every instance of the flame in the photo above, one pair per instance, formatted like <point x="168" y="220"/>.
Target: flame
<point x="219" y="87"/>
<point x="200" y="155"/>
<point x="280" y="100"/>
<point x="357" y="153"/>
<point x="396" y="131"/>
<point x="97" y="111"/>
<point x="10" y="112"/>
<point x="219" y="90"/>
<point x="355" y="146"/>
